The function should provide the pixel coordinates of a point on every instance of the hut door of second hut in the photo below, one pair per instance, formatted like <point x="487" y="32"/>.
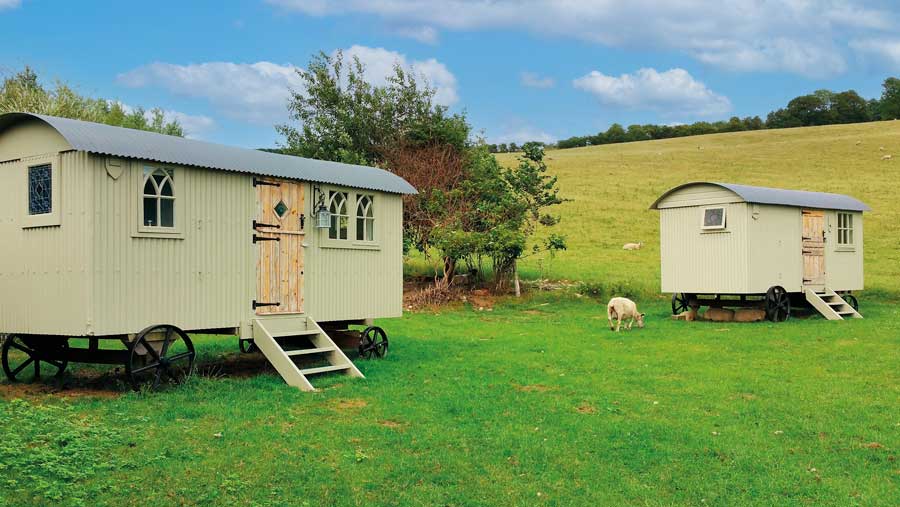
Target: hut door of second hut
<point x="813" y="248"/>
<point x="279" y="235"/>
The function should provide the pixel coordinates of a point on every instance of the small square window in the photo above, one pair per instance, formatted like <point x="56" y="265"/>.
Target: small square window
<point x="713" y="218"/>
<point x="40" y="190"/>
<point x="845" y="229"/>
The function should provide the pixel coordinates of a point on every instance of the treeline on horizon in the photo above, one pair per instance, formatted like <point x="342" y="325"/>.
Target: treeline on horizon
<point x="822" y="107"/>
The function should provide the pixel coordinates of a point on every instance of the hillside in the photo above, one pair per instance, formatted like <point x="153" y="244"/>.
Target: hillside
<point x="612" y="187"/>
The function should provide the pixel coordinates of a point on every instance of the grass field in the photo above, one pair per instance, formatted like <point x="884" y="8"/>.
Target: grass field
<point x="534" y="402"/>
<point x="613" y="186"/>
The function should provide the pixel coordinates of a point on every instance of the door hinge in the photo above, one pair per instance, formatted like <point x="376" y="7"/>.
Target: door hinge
<point x="257" y="304"/>
<point x="257" y="239"/>
<point x="257" y="225"/>
<point x="257" y="182"/>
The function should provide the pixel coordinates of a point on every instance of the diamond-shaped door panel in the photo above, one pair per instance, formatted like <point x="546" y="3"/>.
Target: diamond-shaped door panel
<point x="281" y="209"/>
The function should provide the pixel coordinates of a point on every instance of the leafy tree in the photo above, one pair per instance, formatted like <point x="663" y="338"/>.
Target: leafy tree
<point x="810" y="109"/>
<point x="849" y="107"/>
<point x="513" y="148"/>
<point x="23" y="92"/>
<point x="614" y="134"/>
<point x="889" y="108"/>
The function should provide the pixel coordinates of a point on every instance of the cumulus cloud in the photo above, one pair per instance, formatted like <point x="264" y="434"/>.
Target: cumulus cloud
<point x="806" y="37"/>
<point x="519" y="131"/>
<point x="194" y="126"/>
<point x="9" y="4"/>
<point x="379" y="63"/>
<point x="256" y="92"/>
<point x="673" y="92"/>
<point x="881" y="50"/>
<point x="532" y="80"/>
<point x="423" y="34"/>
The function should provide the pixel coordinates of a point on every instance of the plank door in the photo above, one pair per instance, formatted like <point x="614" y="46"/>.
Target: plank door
<point x="813" y="247"/>
<point x="279" y="233"/>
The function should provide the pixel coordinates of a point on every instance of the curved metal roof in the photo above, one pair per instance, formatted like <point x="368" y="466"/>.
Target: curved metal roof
<point x="131" y="143"/>
<point x="781" y="197"/>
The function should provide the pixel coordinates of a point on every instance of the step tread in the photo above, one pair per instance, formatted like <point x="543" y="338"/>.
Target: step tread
<point x="301" y="352"/>
<point x="288" y="334"/>
<point x="323" y="369"/>
<point x="847" y="312"/>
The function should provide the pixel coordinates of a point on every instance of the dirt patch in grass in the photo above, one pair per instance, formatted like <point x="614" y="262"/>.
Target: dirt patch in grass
<point x="873" y="445"/>
<point x="533" y="388"/>
<point x="350" y="404"/>
<point x="586" y="409"/>
<point x="389" y="423"/>
<point x="31" y="391"/>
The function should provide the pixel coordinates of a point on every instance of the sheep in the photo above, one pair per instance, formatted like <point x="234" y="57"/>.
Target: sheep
<point x="623" y="308"/>
<point x="633" y="246"/>
<point x="881" y="148"/>
<point x="719" y="315"/>
<point x="858" y="143"/>
<point x="749" y="315"/>
<point x="690" y="315"/>
<point x="887" y="157"/>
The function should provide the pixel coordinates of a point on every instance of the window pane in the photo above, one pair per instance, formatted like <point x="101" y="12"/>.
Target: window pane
<point x="371" y="211"/>
<point x="159" y="177"/>
<point x="39" y="190"/>
<point x="149" y="189"/>
<point x="332" y="231"/>
<point x="713" y="217"/>
<point x="167" y="212"/>
<point x="150" y="211"/>
<point x="360" y="229"/>
<point x="166" y="188"/>
<point x="344" y="222"/>
<point x="370" y="230"/>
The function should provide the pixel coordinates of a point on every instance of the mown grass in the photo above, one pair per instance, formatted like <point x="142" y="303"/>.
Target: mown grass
<point x="534" y="403"/>
<point x="613" y="186"/>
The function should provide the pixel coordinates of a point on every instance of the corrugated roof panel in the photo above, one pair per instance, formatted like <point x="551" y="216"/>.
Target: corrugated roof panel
<point x="781" y="197"/>
<point x="131" y="143"/>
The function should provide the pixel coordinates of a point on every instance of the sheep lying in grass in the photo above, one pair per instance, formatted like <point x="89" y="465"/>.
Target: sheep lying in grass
<point x="633" y="246"/>
<point x="887" y="157"/>
<point x="623" y="308"/>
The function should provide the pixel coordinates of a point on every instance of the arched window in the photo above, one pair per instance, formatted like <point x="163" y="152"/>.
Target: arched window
<point x="159" y="198"/>
<point x="365" y="218"/>
<point x="340" y="218"/>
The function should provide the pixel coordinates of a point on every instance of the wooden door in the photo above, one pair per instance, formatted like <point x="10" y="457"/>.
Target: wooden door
<point x="279" y="233"/>
<point x="813" y="247"/>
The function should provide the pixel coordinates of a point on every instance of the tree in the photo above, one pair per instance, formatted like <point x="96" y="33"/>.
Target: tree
<point x="614" y="134"/>
<point x="23" y="92"/>
<point x="849" y="107"/>
<point x="780" y="119"/>
<point x="810" y="109"/>
<point x="889" y="108"/>
<point x="513" y="148"/>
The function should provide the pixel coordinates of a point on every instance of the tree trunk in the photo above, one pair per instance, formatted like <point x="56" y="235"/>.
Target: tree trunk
<point x="449" y="273"/>
<point x="518" y="286"/>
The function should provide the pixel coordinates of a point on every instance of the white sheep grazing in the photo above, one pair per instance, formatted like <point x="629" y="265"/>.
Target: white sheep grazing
<point x="881" y="148"/>
<point x="633" y="246"/>
<point x="623" y="308"/>
<point x="858" y="143"/>
<point x="887" y="157"/>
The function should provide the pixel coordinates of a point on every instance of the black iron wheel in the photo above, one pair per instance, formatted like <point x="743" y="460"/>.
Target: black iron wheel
<point x="680" y="303"/>
<point x="23" y="354"/>
<point x="373" y="343"/>
<point x="247" y="346"/>
<point x="852" y="301"/>
<point x="161" y="353"/>
<point x="778" y="304"/>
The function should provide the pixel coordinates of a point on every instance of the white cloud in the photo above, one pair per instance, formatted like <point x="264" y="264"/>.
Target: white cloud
<point x="379" y="63"/>
<point x="256" y="92"/>
<point x="672" y="93"/>
<point x="9" y="4"/>
<point x="532" y="80"/>
<point x="423" y="34"/>
<point x="194" y="126"/>
<point x="806" y="37"/>
<point x="520" y="132"/>
<point x="882" y="50"/>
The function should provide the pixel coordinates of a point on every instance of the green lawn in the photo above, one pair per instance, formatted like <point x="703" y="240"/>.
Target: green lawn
<point x="534" y="403"/>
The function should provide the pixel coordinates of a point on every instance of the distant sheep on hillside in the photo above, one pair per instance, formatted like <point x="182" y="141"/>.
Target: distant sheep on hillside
<point x="633" y="246"/>
<point x="887" y="157"/>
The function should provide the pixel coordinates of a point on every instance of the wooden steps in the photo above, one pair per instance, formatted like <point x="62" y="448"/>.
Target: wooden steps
<point x="272" y="334"/>
<point x="830" y="304"/>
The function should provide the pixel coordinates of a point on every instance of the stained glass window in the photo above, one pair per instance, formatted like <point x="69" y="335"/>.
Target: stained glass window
<point x="40" y="190"/>
<point x="159" y="198"/>
<point x="281" y="208"/>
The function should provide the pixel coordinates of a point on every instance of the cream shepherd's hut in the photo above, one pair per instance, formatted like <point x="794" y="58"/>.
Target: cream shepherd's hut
<point x="114" y="233"/>
<point x="723" y="244"/>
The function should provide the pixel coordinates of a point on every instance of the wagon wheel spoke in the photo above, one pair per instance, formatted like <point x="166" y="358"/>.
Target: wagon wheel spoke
<point x="142" y="369"/>
<point x="22" y="366"/>
<point x="166" y="341"/>
<point x="182" y="355"/>
<point x="15" y="344"/>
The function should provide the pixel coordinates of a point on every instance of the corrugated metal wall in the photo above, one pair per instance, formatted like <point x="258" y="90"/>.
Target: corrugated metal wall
<point x="349" y="283"/>
<point x="205" y="279"/>
<point x="776" y="253"/>
<point x="45" y="271"/>
<point x="706" y="262"/>
<point x="843" y="265"/>
<point x="699" y="195"/>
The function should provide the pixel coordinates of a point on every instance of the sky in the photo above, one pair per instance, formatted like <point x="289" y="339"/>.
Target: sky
<point x="519" y="69"/>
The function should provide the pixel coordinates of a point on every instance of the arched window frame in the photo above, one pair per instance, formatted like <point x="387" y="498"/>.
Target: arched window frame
<point x="338" y="204"/>
<point x="143" y="176"/>
<point x="365" y="218"/>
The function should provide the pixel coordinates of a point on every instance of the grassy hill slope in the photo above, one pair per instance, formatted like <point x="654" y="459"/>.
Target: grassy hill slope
<point x="612" y="187"/>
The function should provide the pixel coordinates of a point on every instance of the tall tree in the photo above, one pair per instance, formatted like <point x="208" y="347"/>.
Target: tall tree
<point x="889" y="108"/>
<point x="849" y="107"/>
<point x="23" y="92"/>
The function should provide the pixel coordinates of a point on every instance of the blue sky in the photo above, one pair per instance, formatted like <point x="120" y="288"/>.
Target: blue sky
<point x="526" y="69"/>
